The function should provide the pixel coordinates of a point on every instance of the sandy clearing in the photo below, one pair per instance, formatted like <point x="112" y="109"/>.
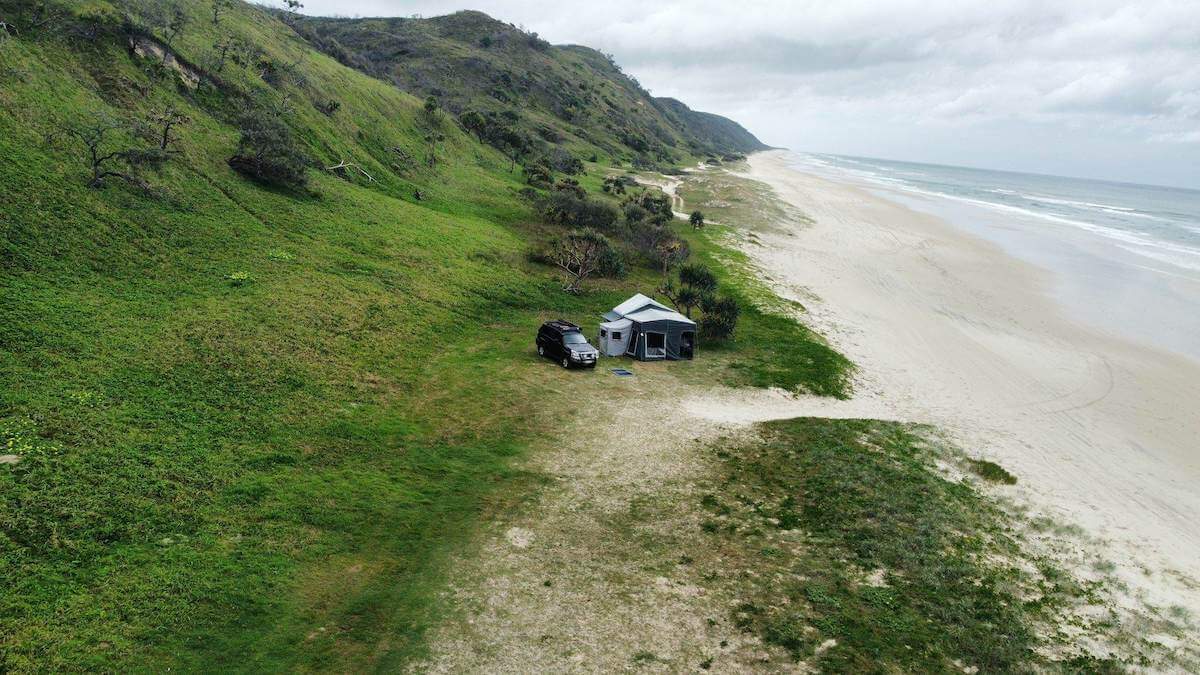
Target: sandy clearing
<point x="948" y="329"/>
<point x="599" y="574"/>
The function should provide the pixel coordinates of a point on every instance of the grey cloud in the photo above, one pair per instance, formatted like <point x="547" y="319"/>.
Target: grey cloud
<point x="1072" y="75"/>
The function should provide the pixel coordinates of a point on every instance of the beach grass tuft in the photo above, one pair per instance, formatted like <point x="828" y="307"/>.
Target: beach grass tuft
<point x="991" y="471"/>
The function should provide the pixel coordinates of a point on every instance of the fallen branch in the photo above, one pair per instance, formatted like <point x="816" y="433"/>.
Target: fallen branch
<point x="344" y="165"/>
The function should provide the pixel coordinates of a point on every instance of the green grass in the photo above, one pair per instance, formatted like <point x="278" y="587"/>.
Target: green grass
<point x="842" y="500"/>
<point x="245" y="415"/>
<point x="253" y="424"/>
<point x="748" y="205"/>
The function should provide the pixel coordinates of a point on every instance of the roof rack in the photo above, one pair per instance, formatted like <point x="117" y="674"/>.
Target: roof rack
<point x="562" y="324"/>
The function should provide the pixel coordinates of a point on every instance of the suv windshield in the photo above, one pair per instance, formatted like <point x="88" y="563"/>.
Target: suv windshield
<point x="574" y="338"/>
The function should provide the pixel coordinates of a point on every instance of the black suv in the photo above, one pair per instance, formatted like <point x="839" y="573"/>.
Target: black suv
<point x="564" y="342"/>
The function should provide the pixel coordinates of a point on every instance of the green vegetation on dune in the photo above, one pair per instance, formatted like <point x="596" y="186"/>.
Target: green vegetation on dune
<point x="569" y="96"/>
<point x="867" y="559"/>
<point x="249" y="421"/>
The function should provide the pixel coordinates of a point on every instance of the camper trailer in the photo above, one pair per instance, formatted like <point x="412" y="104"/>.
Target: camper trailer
<point x="647" y="330"/>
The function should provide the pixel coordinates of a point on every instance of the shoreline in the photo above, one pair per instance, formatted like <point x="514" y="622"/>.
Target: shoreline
<point x="950" y="329"/>
<point x="1117" y="283"/>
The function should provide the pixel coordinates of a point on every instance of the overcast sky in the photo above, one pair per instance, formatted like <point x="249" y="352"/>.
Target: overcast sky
<point x="1094" y="88"/>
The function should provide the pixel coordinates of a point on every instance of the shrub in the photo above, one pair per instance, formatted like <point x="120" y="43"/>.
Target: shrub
<point x="991" y="471"/>
<point x="538" y="174"/>
<point x="656" y="205"/>
<point x="239" y="278"/>
<point x="267" y="152"/>
<point x="615" y="185"/>
<point x="612" y="264"/>
<point x="563" y="207"/>
<point x="720" y="317"/>
<point x="328" y="107"/>
<point x="571" y="187"/>
<point x="564" y="162"/>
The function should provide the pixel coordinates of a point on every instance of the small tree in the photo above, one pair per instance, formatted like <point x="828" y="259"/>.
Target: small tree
<point x="670" y="252"/>
<point x="696" y="283"/>
<point x="165" y="120"/>
<point x="720" y="317"/>
<point x="431" y="111"/>
<point x="267" y="151"/>
<point x="175" y="21"/>
<point x="98" y="136"/>
<point x="291" y="10"/>
<point x="474" y="123"/>
<point x="220" y="53"/>
<point x="432" y="139"/>
<point x="579" y="254"/>
<point x="696" y="219"/>
<point x="699" y="277"/>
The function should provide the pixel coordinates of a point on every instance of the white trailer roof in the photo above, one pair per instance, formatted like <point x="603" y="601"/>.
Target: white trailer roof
<point x="655" y="314"/>
<point x="633" y="304"/>
<point x="619" y="324"/>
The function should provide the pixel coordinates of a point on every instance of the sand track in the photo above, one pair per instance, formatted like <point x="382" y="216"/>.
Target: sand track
<point x="589" y="578"/>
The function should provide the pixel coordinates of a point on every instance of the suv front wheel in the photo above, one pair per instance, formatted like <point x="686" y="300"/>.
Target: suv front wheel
<point x="566" y="363"/>
<point x="541" y="350"/>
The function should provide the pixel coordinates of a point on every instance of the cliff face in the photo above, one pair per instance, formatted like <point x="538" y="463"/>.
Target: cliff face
<point x="567" y="94"/>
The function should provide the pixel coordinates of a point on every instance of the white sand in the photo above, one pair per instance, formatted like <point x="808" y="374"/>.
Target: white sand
<point x="948" y="329"/>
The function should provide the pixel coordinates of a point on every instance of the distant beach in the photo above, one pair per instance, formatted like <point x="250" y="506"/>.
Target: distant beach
<point x="1125" y="258"/>
<point x="1065" y="351"/>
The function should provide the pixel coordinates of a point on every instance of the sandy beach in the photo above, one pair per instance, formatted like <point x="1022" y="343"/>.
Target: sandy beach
<point x="948" y="329"/>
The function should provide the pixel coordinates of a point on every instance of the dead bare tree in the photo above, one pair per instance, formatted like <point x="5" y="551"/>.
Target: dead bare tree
<point x="165" y="120"/>
<point x="579" y="254"/>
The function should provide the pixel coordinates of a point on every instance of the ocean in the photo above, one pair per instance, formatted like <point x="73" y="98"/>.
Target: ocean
<point x="1125" y="258"/>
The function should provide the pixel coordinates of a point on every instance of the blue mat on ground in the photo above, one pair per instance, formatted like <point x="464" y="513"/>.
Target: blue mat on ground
<point x="621" y="372"/>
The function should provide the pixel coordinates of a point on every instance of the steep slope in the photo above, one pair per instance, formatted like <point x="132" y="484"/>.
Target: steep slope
<point x="722" y="131"/>
<point x="244" y="421"/>
<point x="573" y="94"/>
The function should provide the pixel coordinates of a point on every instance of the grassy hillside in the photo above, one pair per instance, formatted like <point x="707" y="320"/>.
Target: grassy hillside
<point x="569" y="95"/>
<point x="243" y="424"/>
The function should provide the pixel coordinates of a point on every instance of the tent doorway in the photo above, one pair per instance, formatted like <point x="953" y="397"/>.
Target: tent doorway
<point x="687" y="345"/>
<point x="656" y="345"/>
